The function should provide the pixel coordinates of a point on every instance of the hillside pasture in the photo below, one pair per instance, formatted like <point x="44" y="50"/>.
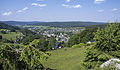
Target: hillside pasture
<point x="10" y="35"/>
<point x="66" y="59"/>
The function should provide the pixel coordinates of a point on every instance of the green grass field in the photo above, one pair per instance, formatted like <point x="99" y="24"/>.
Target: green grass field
<point x="66" y="59"/>
<point x="11" y="35"/>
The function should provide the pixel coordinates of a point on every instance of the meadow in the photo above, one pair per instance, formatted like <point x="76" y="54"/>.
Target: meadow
<point x="66" y="59"/>
<point x="10" y="35"/>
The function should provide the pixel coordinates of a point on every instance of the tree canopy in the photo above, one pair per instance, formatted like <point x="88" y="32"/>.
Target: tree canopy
<point x="83" y="37"/>
<point x="21" y="57"/>
<point x="107" y="45"/>
<point x="109" y="38"/>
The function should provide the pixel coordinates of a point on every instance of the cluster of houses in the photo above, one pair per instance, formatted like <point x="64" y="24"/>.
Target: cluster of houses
<point x="62" y="37"/>
<point x="59" y="33"/>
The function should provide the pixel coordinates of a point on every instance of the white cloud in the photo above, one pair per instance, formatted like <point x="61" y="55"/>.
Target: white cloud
<point x="68" y="0"/>
<point x="7" y="13"/>
<point x="23" y="9"/>
<point x="114" y="9"/>
<point x="40" y="5"/>
<point x="71" y="6"/>
<point x="98" y="1"/>
<point x="100" y="10"/>
<point x="77" y="6"/>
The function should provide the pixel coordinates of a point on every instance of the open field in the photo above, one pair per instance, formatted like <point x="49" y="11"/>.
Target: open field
<point x="11" y="35"/>
<point x="66" y="59"/>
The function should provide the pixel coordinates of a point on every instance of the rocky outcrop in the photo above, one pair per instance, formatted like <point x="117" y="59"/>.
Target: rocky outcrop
<point x="111" y="62"/>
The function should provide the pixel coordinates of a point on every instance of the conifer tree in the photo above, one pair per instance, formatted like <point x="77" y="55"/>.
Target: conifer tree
<point x="21" y="57"/>
<point x="109" y="38"/>
<point x="107" y="46"/>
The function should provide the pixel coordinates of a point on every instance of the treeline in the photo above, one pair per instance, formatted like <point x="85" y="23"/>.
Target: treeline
<point x="44" y="43"/>
<point x="83" y="37"/>
<point x="86" y="35"/>
<point x="96" y="26"/>
<point x="54" y="24"/>
<point x="66" y="24"/>
<point x="9" y="27"/>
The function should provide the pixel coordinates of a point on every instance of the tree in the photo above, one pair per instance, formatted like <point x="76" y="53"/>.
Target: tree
<point x="94" y="58"/>
<point x="83" y="37"/>
<point x="24" y="57"/>
<point x="32" y="57"/>
<point x="40" y="43"/>
<point x="107" y="45"/>
<point x="30" y="38"/>
<point x="4" y="32"/>
<point x="51" y="43"/>
<point x="43" y="43"/>
<point x="0" y="36"/>
<point x="109" y="38"/>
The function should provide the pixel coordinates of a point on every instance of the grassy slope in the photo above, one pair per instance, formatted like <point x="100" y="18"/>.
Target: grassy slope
<point x="11" y="35"/>
<point x="66" y="59"/>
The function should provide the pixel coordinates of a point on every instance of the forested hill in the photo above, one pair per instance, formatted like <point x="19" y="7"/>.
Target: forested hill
<point x="14" y="23"/>
<point x="67" y="24"/>
<point x="5" y="26"/>
<point x="55" y="24"/>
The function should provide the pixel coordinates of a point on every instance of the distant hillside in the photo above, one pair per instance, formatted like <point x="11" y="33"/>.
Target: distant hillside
<point x="14" y="23"/>
<point x="96" y="26"/>
<point x="5" y="26"/>
<point x="54" y="24"/>
<point x="67" y="24"/>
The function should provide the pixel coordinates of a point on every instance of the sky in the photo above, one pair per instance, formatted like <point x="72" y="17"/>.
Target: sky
<point x="60" y="10"/>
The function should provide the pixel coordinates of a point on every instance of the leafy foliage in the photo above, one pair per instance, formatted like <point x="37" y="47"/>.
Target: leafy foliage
<point x="83" y="37"/>
<point x="51" y="43"/>
<point x="30" y="38"/>
<point x="32" y="57"/>
<point x="21" y="57"/>
<point x="107" y="46"/>
<point x="109" y="38"/>
<point x="78" y="45"/>
<point x="94" y="58"/>
<point x="43" y="44"/>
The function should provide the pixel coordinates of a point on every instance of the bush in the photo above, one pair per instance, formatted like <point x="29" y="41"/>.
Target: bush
<point x="3" y="32"/>
<point x="78" y="45"/>
<point x="95" y="58"/>
<point x="0" y="36"/>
